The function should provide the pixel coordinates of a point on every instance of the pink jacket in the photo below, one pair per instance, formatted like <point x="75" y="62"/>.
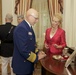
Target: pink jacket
<point x="58" y="38"/>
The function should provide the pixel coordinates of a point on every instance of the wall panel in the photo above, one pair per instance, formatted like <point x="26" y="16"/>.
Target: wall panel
<point x="0" y="12"/>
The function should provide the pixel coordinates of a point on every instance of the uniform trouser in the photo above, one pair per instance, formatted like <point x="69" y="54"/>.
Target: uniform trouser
<point x="5" y="61"/>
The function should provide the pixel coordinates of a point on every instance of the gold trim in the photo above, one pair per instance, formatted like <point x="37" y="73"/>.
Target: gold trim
<point x="36" y="50"/>
<point x="32" y="57"/>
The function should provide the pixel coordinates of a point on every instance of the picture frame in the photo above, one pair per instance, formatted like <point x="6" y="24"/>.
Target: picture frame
<point x="70" y="59"/>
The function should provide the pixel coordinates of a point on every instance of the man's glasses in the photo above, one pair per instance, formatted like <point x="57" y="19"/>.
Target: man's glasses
<point x="35" y="17"/>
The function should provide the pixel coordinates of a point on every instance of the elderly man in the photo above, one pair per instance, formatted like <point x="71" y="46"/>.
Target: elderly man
<point x="25" y="53"/>
<point x="20" y="18"/>
<point x="6" y="37"/>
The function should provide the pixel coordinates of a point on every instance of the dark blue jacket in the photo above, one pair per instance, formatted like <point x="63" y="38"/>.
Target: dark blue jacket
<point x="24" y="45"/>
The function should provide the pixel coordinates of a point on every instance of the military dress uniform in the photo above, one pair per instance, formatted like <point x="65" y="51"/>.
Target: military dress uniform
<point x="6" y="51"/>
<point x="25" y="53"/>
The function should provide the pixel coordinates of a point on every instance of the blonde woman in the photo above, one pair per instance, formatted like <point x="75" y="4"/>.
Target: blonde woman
<point x="55" y="36"/>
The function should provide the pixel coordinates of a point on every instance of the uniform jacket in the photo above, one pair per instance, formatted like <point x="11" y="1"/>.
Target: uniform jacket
<point x="58" y="38"/>
<point x="6" y="46"/>
<point x="24" y="48"/>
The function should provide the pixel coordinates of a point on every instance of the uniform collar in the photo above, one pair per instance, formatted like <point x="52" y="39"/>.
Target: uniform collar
<point x="28" y="23"/>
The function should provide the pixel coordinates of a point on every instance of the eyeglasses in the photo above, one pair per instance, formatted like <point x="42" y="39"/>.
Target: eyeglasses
<point x="35" y="17"/>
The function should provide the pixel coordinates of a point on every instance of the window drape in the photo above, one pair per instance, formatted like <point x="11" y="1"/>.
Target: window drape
<point x="22" y="6"/>
<point x="55" y="6"/>
<point x="46" y="9"/>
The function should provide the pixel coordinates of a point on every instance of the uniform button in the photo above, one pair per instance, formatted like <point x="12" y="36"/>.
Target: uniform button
<point x="30" y="38"/>
<point x="24" y="60"/>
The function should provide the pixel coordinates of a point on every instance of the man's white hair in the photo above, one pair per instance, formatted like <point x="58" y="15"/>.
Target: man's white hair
<point x="9" y="16"/>
<point x="20" y="16"/>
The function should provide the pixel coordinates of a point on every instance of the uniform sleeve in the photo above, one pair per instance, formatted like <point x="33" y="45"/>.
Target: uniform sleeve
<point x="33" y="57"/>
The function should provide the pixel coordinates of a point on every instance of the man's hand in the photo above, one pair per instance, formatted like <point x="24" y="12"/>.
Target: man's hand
<point x="41" y="55"/>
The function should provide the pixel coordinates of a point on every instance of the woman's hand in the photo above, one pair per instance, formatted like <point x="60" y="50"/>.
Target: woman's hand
<point x="46" y="46"/>
<point x="57" y="46"/>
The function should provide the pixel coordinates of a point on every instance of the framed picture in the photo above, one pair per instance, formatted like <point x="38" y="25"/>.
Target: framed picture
<point x="70" y="59"/>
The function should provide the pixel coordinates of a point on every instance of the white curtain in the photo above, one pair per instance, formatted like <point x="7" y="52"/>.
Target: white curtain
<point x="69" y="22"/>
<point x="44" y="20"/>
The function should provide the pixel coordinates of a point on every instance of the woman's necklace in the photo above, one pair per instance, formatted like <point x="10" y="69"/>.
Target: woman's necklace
<point x="53" y="31"/>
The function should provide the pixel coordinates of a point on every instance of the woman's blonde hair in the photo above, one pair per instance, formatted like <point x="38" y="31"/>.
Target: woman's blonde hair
<point x="59" y="16"/>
